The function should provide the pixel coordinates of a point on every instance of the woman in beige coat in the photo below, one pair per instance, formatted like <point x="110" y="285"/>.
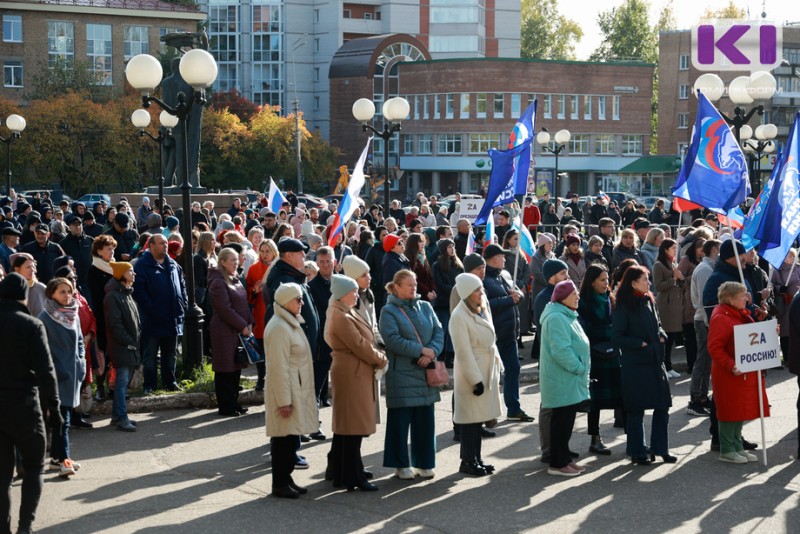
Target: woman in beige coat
<point x="476" y="373"/>
<point x="668" y="281"/>
<point x="289" y="398"/>
<point x="355" y="360"/>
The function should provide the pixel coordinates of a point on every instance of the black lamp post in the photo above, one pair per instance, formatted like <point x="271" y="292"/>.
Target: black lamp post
<point x="15" y="124"/>
<point x="141" y="119"/>
<point x="199" y="69"/>
<point x="394" y="111"/>
<point x="762" y="144"/>
<point x="561" y="138"/>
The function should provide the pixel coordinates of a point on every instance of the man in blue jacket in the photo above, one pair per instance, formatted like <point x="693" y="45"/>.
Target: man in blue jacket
<point x="503" y="297"/>
<point x="160" y="294"/>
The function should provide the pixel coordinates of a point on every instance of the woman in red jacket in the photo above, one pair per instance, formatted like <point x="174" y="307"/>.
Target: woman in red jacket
<point x="735" y="393"/>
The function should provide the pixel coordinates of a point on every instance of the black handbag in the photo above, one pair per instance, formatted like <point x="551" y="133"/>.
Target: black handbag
<point x="604" y="350"/>
<point x="240" y="358"/>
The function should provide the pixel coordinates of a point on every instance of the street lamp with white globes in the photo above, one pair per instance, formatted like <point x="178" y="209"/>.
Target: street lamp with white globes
<point x="394" y="111"/>
<point x="764" y="143"/>
<point x="198" y="69"/>
<point x="16" y="124"/>
<point x="561" y="138"/>
<point x="141" y="119"/>
<point x="742" y="91"/>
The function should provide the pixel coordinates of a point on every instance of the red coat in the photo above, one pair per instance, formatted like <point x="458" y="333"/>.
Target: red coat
<point x="736" y="397"/>
<point x="531" y="216"/>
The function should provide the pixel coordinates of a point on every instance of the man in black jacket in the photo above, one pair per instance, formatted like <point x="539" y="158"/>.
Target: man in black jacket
<point x="503" y="298"/>
<point x="124" y="237"/>
<point x="44" y="252"/>
<point x="462" y="238"/>
<point x="78" y="245"/>
<point x="27" y="383"/>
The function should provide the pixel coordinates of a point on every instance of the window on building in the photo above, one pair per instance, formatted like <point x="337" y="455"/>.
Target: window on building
<point x="415" y="106"/>
<point x="579" y="144"/>
<point x="368" y="16"/>
<point x="454" y="43"/>
<point x="481" y="143"/>
<point x="606" y="145"/>
<point x="573" y="107"/>
<point x="683" y="120"/>
<point x="316" y="74"/>
<point x="225" y="31"/>
<point x="562" y="107"/>
<point x="516" y="104"/>
<point x="12" y="73"/>
<point x="378" y="17"/>
<point x="464" y="105"/>
<point x="474" y="182"/>
<point x="60" y="42"/>
<point x="615" y="110"/>
<point x="12" y="28"/>
<point x="480" y="105"/>
<point x="448" y="106"/>
<point x="455" y="15"/>
<point x="449" y="144"/>
<point x="424" y="106"/>
<point x="136" y="41"/>
<point x="684" y="62"/>
<point x="316" y="103"/>
<point x="587" y="108"/>
<point x="316" y="45"/>
<point x="346" y="14"/>
<point x="601" y="108"/>
<point x="426" y="144"/>
<point x="436" y="105"/>
<point x="531" y="98"/>
<point x="408" y="144"/>
<point x="792" y="55"/>
<point x="683" y="91"/>
<point x="316" y="16"/>
<point x="498" y="105"/>
<point x="631" y="145"/>
<point x="98" y="50"/>
<point x="547" y="106"/>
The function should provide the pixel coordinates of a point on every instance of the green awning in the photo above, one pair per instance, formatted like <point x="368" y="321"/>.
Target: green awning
<point x="653" y="165"/>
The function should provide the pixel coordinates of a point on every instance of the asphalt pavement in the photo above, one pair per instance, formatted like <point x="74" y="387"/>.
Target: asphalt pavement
<point x="191" y="471"/>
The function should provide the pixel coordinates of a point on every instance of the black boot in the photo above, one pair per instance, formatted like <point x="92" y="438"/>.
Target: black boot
<point x="598" y="447"/>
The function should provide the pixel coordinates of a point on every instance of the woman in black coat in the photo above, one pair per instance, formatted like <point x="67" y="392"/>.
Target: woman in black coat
<point x="99" y="274"/>
<point x="445" y="270"/>
<point x="637" y="332"/>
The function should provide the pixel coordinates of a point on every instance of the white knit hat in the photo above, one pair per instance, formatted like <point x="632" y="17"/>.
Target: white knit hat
<point x="466" y="284"/>
<point x="354" y="267"/>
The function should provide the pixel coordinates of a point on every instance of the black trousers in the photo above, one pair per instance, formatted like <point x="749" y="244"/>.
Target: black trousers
<point x="344" y="461"/>
<point x="24" y="429"/>
<point x="226" y="386"/>
<point x="471" y="442"/>
<point x="322" y="368"/>
<point x="283" y="450"/>
<point x="561" y="423"/>
<point x="690" y="344"/>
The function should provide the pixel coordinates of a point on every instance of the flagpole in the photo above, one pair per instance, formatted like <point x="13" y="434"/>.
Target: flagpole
<point x="735" y="252"/>
<point x="761" y="416"/>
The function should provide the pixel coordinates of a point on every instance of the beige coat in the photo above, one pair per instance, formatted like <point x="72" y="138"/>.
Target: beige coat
<point x="290" y="377"/>
<point x="669" y="298"/>
<point x="355" y="359"/>
<point x="476" y="360"/>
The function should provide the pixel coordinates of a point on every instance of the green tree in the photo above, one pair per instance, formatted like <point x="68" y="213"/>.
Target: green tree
<point x="627" y="34"/>
<point x="223" y="146"/>
<point x="545" y="33"/>
<point x="731" y="11"/>
<point x="64" y="77"/>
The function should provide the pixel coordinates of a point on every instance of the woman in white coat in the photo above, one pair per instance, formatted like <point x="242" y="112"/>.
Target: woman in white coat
<point x="476" y="372"/>
<point x="289" y="397"/>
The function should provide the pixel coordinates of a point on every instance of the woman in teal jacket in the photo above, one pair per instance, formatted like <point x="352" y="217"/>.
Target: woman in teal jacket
<point x="563" y="373"/>
<point x="413" y="338"/>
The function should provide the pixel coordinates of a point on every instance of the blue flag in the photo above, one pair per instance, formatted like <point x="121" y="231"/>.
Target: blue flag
<point x="755" y="217"/>
<point x="781" y="224"/>
<point x="501" y="181"/>
<point x="521" y="134"/>
<point x="714" y="173"/>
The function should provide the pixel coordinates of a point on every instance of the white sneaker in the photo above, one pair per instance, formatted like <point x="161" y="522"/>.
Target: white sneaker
<point x="749" y="455"/>
<point x="424" y="473"/>
<point x="404" y="473"/>
<point x="733" y="458"/>
<point x="67" y="469"/>
<point x="673" y="373"/>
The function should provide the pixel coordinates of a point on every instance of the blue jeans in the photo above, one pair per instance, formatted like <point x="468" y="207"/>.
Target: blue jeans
<point x="659" y="441"/>
<point x="59" y="448"/>
<point x="119" y="409"/>
<point x="150" y="347"/>
<point x="510" y="356"/>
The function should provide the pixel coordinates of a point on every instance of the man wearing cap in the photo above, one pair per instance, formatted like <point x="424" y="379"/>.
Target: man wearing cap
<point x="503" y="297"/>
<point x="8" y="246"/>
<point x="126" y="239"/>
<point x="78" y="245"/>
<point x="554" y="271"/>
<point x="44" y="252"/>
<point x="27" y="384"/>
<point x="160" y="292"/>
<point x="29" y="228"/>
<point x="394" y="258"/>
<point x="642" y="227"/>
<point x="726" y="270"/>
<point x="90" y="227"/>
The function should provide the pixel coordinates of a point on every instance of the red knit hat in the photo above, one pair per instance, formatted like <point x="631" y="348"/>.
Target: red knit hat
<point x="390" y="241"/>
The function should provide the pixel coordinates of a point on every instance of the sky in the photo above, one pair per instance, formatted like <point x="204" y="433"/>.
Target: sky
<point x="687" y="14"/>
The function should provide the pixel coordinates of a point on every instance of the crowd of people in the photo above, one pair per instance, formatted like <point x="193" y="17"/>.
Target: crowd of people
<point x="389" y="300"/>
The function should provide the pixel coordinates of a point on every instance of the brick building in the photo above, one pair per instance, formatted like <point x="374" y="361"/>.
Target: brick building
<point x="106" y="33"/>
<point x="462" y="107"/>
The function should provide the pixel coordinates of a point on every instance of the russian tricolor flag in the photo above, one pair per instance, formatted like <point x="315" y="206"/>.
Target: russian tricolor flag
<point x="276" y="199"/>
<point x="351" y="195"/>
<point x="488" y="236"/>
<point x="527" y="247"/>
<point x="471" y="242"/>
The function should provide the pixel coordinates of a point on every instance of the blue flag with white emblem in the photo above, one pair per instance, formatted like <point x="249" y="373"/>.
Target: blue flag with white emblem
<point x="714" y="173"/>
